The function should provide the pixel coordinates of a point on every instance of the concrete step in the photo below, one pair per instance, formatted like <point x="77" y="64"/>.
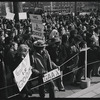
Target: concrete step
<point x="88" y="92"/>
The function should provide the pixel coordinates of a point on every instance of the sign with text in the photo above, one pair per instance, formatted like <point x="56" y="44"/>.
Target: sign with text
<point x="50" y="75"/>
<point x="23" y="72"/>
<point x="36" y="18"/>
<point x="10" y="16"/>
<point x="23" y="15"/>
<point x="37" y="25"/>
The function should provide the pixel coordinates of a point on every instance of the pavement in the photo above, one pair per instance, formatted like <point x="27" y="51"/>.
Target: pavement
<point x="93" y="91"/>
<point x="90" y="92"/>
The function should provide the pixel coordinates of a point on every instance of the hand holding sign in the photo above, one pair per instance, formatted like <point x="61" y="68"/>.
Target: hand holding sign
<point x="23" y="72"/>
<point x="50" y="75"/>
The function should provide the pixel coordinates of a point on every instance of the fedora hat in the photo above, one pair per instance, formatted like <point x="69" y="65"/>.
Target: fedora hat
<point x="39" y="43"/>
<point x="54" y="40"/>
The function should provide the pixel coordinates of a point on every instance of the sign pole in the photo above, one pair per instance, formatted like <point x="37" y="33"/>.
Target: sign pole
<point x="85" y="62"/>
<point x="85" y="83"/>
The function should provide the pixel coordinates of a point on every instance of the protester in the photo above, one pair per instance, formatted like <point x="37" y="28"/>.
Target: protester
<point x="22" y="51"/>
<point x="65" y="47"/>
<point x="56" y="55"/>
<point x="3" y="81"/>
<point x="42" y="64"/>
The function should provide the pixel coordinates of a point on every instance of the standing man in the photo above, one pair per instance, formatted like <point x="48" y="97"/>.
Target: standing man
<point x="41" y="63"/>
<point x="55" y="51"/>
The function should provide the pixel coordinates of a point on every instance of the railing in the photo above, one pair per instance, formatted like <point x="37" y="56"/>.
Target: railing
<point x="33" y="79"/>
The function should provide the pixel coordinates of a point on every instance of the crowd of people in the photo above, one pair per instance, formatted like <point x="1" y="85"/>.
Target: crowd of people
<point x="64" y="36"/>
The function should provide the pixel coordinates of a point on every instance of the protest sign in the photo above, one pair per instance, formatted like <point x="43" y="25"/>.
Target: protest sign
<point x="51" y="75"/>
<point x="37" y="18"/>
<point x="37" y="25"/>
<point x="23" y="72"/>
<point x="10" y="16"/>
<point x="84" y="13"/>
<point x="23" y="15"/>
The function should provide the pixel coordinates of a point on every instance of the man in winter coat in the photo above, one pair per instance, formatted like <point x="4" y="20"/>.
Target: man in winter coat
<point x="41" y="63"/>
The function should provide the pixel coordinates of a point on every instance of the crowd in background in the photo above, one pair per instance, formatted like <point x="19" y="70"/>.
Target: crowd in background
<point x="64" y="35"/>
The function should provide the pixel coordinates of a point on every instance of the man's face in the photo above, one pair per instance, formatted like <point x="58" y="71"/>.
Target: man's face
<point x="22" y="54"/>
<point x="16" y="46"/>
<point x="2" y="37"/>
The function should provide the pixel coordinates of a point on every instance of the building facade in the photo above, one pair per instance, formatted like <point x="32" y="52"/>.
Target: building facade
<point x="66" y="7"/>
<point x="70" y="6"/>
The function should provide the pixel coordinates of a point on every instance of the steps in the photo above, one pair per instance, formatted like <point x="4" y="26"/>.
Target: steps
<point x="87" y="93"/>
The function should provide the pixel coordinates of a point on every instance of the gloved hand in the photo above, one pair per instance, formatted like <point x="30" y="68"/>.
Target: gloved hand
<point x="44" y="72"/>
<point x="36" y="72"/>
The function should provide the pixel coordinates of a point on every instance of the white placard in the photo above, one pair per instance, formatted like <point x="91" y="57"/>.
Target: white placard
<point x="50" y="75"/>
<point x="37" y="25"/>
<point x="37" y="18"/>
<point x="84" y="13"/>
<point x="23" y="72"/>
<point x="23" y="15"/>
<point x="10" y="16"/>
<point x="37" y="35"/>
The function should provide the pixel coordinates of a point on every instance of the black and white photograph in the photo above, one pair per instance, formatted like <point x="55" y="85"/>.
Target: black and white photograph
<point x="49" y="49"/>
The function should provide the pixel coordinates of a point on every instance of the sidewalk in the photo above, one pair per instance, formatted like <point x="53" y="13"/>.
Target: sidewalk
<point x="76" y="92"/>
<point x="90" y="92"/>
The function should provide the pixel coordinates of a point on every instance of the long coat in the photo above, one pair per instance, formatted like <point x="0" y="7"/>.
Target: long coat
<point x="42" y="63"/>
<point x="3" y="81"/>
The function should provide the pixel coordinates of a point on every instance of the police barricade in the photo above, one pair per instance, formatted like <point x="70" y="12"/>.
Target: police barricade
<point x="53" y="75"/>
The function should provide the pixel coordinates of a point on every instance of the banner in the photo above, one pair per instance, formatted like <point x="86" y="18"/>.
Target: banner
<point x="23" y="15"/>
<point x="23" y="72"/>
<point x="10" y="16"/>
<point x="50" y="75"/>
<point x="37" y="25"/>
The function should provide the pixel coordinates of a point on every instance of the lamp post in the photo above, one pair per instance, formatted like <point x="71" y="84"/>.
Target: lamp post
<point x="86" y="82"/>
<point x="17" y="7"/>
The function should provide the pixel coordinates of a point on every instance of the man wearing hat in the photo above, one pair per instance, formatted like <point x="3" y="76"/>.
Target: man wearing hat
<point x="55" y="52"/>
<point x="41" y="63"/>
<point x="54" y="33"/>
